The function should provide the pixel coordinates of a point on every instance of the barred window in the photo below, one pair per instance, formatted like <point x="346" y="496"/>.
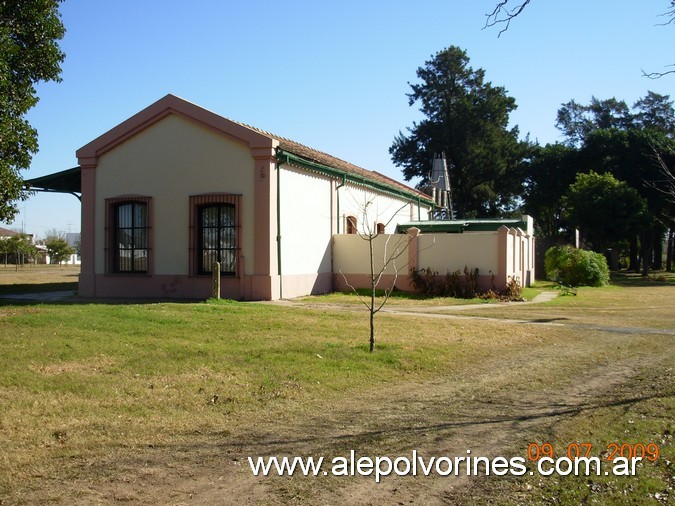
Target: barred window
<point x="214" y="235"/>
<point x="217" y="238"/>
<point x="128" y="235"/>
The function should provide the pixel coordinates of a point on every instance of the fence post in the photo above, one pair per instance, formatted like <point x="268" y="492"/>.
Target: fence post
<point x="215" y="271"/>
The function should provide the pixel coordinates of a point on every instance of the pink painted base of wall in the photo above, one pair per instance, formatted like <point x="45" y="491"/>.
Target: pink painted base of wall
<point x="403" y="283"/>
<point x="188" y="287"/>
<point x="364" y="281"/>
<point x="159" y="287"/>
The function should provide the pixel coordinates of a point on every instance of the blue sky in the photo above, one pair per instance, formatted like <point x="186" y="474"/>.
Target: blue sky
<point x="333" y="76"/>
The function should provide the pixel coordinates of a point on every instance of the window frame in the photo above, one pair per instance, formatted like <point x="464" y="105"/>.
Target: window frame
<point x="197" y="204"/>
<point x="112" y="230"/>
<point x="351" y="225"/>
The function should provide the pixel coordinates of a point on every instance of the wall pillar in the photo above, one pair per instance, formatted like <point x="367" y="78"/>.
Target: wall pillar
<point x="502" y="257"/>
<point x="264" y="276"/>
<point x="87" y="282"/>
<point x="413" y="254"/>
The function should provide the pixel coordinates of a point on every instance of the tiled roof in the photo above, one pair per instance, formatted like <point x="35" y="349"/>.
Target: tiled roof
<point x="316" y="156"/>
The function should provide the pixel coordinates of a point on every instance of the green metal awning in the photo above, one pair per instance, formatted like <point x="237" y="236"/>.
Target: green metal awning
<point x="460" y="226"/>
<point x="66" y="181"/>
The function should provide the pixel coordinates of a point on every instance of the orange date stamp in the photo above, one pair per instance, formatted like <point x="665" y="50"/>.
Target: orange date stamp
<point x="648" y="451"/>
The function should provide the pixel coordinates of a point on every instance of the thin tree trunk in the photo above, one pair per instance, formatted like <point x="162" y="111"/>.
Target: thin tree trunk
<point x="372" y="295"/>
<point x="633" y="264"/>
<point x="669" y="249"/>
<point x="657" y="248"/>
<point x="372" y="329"/>
<point x="646" y="242"/>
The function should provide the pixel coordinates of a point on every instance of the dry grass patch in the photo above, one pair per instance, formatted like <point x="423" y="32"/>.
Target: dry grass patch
<point x="650" y="307"/>
<point x="134" y="402"/>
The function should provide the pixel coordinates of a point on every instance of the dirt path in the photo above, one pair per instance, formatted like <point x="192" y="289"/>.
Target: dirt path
<point x="496" y="409"/>
<point x="492" y="411"/>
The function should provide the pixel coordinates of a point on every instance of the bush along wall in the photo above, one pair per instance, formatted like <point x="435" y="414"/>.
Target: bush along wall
<point x="429" y="283"/>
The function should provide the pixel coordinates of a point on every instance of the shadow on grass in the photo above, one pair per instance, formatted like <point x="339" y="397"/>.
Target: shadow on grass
<point x="21" y="288"/>
<point x="536" y="412"/>
<point x="12" y="295"/>
<point x="635" y="279"/>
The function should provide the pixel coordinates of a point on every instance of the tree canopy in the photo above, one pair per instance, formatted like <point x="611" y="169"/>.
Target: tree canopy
<point x="634" y="145"/>
<point x="57" y="249"/>
<point x="467" y="119"/>
<point x="29" y="53"/>
<point x="606" y="210"/>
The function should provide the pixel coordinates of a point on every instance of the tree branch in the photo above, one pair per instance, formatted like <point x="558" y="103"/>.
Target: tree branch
<point x="670" y="14"/>
<point x="658" y="75"/>
<point x="351" y="287"/>
<point x="503" y="15"/>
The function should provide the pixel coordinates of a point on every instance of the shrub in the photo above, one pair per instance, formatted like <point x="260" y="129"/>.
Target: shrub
<point x="576" y="267"/>
<point x="428" y="283"/>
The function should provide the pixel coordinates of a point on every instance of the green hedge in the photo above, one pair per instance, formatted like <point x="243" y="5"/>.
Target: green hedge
<point x="576" y="267"/>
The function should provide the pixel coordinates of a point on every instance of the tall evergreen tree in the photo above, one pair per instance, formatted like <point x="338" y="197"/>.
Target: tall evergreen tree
<point x="467" y="119"/>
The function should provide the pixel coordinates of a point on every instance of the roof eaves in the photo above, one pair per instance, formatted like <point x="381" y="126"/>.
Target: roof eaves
<point x="284" y="156"/>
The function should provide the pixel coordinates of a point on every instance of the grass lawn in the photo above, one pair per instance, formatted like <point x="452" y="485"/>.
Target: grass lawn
<point x="161" y="402"/>
<point x="38" y="278"/>
<point x="407" y="299"/>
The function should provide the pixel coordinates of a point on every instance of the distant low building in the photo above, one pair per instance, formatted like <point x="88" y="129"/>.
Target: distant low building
<point x="6" y="233"/>
<point x="73" y="240"/>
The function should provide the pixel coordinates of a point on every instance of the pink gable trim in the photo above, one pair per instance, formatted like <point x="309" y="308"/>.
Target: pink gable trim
<point x="170" y="104"/>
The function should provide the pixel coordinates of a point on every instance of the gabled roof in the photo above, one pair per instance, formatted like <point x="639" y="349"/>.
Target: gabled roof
<point x="287" y="146"/>
<point x="256" y="138"/>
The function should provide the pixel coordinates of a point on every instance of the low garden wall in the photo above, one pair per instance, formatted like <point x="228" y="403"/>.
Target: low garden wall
<point x="507" y="253"/>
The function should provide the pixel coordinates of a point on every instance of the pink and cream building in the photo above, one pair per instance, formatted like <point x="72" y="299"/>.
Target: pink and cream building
<point x="176" y="187"/>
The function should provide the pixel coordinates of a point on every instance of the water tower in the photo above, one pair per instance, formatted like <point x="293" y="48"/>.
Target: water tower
<point x="441" y="190"/>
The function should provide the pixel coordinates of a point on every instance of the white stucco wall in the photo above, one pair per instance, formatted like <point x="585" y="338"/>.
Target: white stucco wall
<point x="371" y="207"/>
<point x="169" y="161"/>
<point x="306" y="227"/>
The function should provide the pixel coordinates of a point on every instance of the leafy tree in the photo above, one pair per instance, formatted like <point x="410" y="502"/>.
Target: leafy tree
<point x="577" y="121"/>
<point x="58" y="249"/>
<point x="29" y="53"/>
<point x="655" y="111"/>
<point x="633" y="145"/>
<point x="606" y="210"/>
<point x="633" y="156"/>
<point x="5" y="249"/>
<point x="548" y="175"/>
<point x="21" y="246"/>
<point x="467" y="119"/>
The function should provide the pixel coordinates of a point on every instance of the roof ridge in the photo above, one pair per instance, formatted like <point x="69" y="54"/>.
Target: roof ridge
<point x="313" y="154"/>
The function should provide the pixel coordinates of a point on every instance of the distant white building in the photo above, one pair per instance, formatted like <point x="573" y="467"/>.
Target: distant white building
<point x="73" y="240"/>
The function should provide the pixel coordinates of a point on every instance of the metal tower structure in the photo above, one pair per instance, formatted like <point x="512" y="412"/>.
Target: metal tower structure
<point x="441" y="190"/>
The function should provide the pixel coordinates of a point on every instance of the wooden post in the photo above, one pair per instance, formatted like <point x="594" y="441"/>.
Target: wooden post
<point x="215" y="271"/>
